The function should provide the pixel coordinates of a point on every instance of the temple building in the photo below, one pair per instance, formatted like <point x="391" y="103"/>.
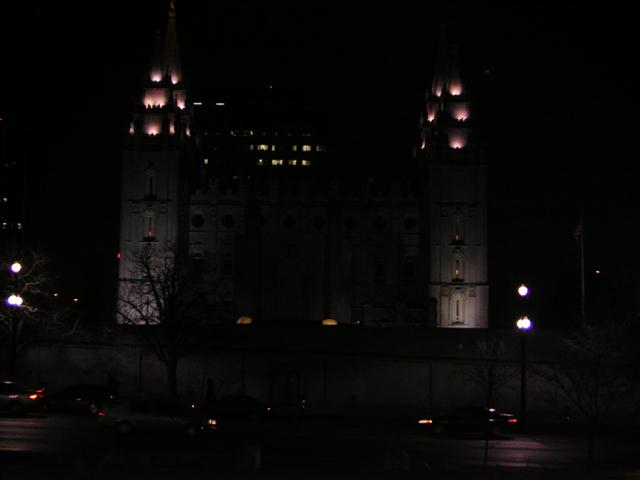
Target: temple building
<point x="251" y="186"/>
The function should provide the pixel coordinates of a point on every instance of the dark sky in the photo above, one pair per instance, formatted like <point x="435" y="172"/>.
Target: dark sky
<point x="553" y="89"/>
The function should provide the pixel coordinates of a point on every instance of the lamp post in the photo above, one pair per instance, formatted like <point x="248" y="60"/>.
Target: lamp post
<point x="14" y="300"/>
<point x="524" y="324"/>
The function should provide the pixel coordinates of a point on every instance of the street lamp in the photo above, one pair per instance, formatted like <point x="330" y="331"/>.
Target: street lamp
<point x="523" y="290"/>
<point x="14" y="300"/>
<point x="524" y="324"/>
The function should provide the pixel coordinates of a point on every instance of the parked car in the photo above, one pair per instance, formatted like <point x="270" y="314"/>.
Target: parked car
<point x="16" y="399"/>
<point x="155" y="415"/>
<point x="79" y="398"/>
<point x="478" y="420"/>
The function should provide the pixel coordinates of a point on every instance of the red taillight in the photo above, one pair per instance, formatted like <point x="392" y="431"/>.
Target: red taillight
<point x="33" y="396"/>
<point x="40" y="390"/>
<point x="513" y="420"/>
<point x="101" y="414"/>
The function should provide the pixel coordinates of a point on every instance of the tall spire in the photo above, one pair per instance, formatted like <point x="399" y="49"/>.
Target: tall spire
<point x="445" y="119"/>
<point x="166" y="58"/>
<point x="447" y="71"/>
<point x="171" y="53"/>
<point x="164" y="99"/>
<point x="157" y="64"/>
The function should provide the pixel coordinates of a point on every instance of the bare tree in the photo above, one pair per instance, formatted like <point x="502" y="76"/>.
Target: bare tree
<point x="596" y="375"/>
<point x="166" y="302"/>
<point x="36" y="317"/>
<point x="491" y="372"/>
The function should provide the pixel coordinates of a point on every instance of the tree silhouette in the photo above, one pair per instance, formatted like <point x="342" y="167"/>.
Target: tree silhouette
<point x="596" y="374"/>
<point x="167" y="300"/>
<point x="37" y="317"/>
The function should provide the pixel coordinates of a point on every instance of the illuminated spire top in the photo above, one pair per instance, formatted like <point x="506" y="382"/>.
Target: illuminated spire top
<point x="166" y="60"/>
<point x="447" y="72"/>
<point x="447" y="110"/>
<point x="171" y="54"/>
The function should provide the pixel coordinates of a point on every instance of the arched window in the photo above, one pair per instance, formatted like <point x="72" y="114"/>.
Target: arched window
<point x="457" y="234"/>
<point x="457" y="309"/>
<point x="457" y="264"/>
<point x="149" y="183"/>
<point x="149" y="225"/>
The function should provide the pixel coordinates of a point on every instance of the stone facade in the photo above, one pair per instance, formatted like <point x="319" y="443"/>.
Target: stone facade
<point x="291" y="240"/>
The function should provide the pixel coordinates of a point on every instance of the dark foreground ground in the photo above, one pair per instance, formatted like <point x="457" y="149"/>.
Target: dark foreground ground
<point x="74" y="447"/>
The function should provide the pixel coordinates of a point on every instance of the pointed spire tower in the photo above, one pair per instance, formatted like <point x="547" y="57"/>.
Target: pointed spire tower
<point x="158" y="147"/>
<point x="446" y="120"/>
<point x="456" y="198"/>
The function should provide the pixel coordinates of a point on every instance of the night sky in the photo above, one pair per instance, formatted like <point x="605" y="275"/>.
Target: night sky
<point x="552" y="88"/>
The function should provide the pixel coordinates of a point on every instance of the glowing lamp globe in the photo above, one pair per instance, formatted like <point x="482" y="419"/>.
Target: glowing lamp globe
<point x="14" y="300"/>
<point x="523" y="291"/>
<point x="524" y="323"/>
<point x="16" y="267"/>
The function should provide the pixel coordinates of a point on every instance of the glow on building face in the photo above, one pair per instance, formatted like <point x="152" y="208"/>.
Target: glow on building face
<point x="460" y="112"/>
<point x="153" y="126"/>
<point x="455" y="89"/>
<point x="180" y="99"/>
<point x="156" y="76"/>
<point x="457" y="139"/>
<point x="174" y="78"/>
<point x="155" y="97"/>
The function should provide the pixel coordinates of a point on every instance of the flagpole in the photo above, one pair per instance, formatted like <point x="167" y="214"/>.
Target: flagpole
<point x="582" y="317"/>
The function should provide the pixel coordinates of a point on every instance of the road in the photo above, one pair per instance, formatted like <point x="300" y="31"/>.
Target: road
<point x="297" y="443"/>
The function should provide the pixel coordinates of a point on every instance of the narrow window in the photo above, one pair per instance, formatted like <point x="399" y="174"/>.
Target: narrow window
<point x="149" y="225"/>
<point x="150" y="187"/>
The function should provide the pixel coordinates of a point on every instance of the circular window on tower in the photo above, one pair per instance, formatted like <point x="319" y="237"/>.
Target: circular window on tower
<point x="197" y="221"/>
<point x="379" y="223"/>
<point x="228" y="221"/>
<point x="410" y="223"/>
<point x="349" y="223"/>
<point x="289" y="221"/>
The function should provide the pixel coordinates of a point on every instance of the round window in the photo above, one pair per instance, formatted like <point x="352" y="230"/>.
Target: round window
<point x="289" y="221"/>
<point x="197" y="220"/>
<point x="379" y="223"/>
<point x="410" y="223"/>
